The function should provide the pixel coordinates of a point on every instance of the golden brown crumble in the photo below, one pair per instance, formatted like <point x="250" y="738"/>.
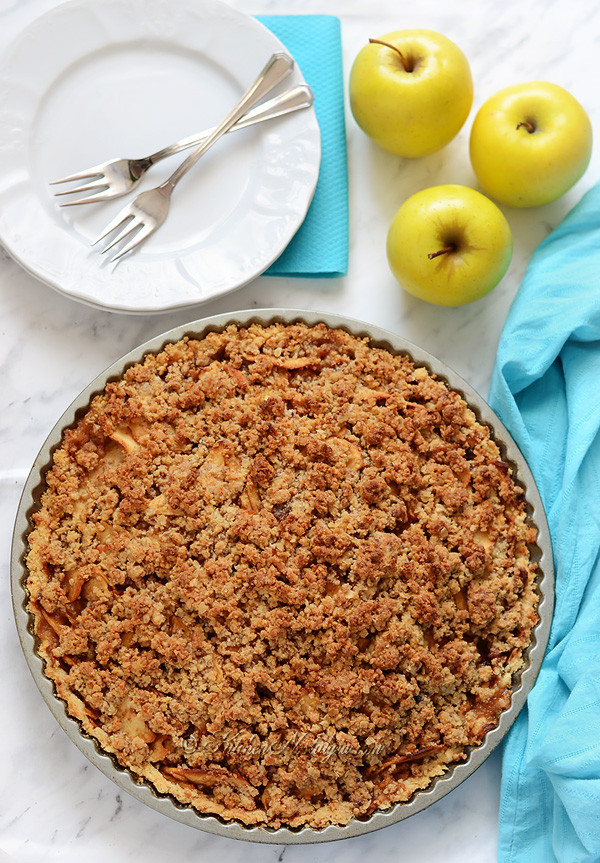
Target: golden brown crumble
<point x="282" y="575"/>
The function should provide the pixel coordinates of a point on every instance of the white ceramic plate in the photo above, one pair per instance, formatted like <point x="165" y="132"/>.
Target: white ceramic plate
<point x="92" y="80"/>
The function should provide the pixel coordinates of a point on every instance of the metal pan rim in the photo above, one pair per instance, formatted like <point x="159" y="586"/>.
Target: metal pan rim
<point x="167" y="805"/>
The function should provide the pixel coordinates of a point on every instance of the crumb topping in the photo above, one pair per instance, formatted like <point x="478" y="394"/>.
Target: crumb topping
<point x="282" y="575"/>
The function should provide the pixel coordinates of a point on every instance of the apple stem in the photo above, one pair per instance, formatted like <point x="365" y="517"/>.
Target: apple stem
<point x="529" y="126"/>
<point x="405" y="63"/>
<point x="443" y="251"/>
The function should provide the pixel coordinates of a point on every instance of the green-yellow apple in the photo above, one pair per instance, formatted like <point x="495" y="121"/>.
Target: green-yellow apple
<point x="530" y="143"/>
<point x="411" y="91"/>
<point x="449" y="245"/>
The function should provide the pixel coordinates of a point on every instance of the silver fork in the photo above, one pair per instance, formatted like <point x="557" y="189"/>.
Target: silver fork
<point x="141" y="218"/>
<point x="116" y="177"/>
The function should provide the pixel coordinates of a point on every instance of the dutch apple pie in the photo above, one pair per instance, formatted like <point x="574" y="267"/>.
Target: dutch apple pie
<point x="282" y="575"/>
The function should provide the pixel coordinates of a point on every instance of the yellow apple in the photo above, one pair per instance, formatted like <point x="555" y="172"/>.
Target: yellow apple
<point x="411" y="91"/>
<point x="449" y="245"/>
<point x="530" y="143"/>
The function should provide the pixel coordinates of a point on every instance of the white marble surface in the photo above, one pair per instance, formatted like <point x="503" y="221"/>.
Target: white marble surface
<point x="53" y="804"/>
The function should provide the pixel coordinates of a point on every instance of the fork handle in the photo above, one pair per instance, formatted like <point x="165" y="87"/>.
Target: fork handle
<point x="278" y="68"/>
<point x="285" y="103"/>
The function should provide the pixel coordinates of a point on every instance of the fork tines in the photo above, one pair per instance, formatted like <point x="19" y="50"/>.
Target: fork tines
<point x="97" y="186"/>
<point x="132" y="226"/>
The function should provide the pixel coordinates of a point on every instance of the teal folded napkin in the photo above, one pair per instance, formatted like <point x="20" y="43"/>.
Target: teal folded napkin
<point x="546" y="389"/>
<point x="320" y="246"/>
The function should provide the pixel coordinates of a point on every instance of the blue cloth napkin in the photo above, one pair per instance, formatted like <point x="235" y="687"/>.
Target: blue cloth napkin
<point x="546" y="389"/>
<point x="320" y="246"/>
